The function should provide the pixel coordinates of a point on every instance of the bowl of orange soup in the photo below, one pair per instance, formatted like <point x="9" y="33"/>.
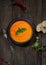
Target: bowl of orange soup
<point x="20" y="31"/>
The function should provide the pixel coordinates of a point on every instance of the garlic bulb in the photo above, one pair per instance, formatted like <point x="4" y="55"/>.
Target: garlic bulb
<point x="41" y="27"/>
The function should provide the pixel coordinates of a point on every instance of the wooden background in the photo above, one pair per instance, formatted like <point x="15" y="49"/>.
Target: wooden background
<point x="22" y="55"/>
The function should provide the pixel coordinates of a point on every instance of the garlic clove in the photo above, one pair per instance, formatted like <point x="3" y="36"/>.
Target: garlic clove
<point x="44" y="23"/>
<point x="39" y="27"/>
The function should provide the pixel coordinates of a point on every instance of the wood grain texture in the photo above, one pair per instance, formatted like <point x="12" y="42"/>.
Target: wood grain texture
<point x="36" y="12"/>
<point x="6" y="17"/>
<point x="44" y="35"/>
<point x="25" y="56"/>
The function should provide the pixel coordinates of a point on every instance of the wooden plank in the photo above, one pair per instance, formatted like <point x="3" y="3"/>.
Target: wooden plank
<point x="44" y="35"/>
<point x="6" y="13"/>
<point x="44" y="18"/>
<point x="6" y="17"/>
<point x="38" y="20"/>
<point x="44" y="58"/>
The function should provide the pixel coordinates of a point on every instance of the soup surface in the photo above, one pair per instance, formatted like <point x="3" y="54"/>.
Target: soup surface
<point x="21" y="31"/>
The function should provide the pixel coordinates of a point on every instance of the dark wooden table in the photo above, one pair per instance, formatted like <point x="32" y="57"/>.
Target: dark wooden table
<point x="22" y="55"/>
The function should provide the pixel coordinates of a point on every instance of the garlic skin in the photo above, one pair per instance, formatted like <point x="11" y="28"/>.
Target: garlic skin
<point x="5" y="35"/>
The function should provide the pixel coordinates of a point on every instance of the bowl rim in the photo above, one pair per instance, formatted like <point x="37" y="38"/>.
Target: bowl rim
<point x="12" y="22"/>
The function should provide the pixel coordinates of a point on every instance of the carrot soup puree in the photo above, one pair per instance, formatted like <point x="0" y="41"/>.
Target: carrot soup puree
<point x="21" y="31"/>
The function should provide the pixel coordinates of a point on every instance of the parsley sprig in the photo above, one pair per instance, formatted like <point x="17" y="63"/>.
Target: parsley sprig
<point x="36" y="45"/>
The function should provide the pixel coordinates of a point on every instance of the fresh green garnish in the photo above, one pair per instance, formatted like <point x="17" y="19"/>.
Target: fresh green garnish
<point x="36" y="45"/>
<point x="20" y="30"/>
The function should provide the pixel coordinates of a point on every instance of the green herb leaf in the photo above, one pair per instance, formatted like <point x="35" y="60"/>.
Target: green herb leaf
<point x="17" y="33"/>
<point x="23" y="29"/>
<point x="36" y="45"/>
<point x="20" y="30"/>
